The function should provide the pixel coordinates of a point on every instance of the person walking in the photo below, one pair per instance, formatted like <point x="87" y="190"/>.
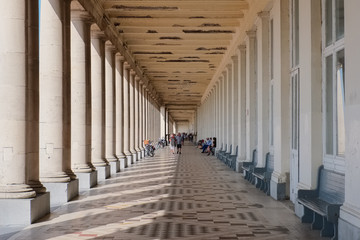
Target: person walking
<point x="178" y="143"/>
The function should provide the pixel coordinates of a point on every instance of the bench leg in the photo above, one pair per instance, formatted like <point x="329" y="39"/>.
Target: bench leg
<point x="308" y="216"/>
<point x="318" y="222"/>
<point x="258" y="183"/>
<point x="268" y="188"/>
<point x="328" y="229"/>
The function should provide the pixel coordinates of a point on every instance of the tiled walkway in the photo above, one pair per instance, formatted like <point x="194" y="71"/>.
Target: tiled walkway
<point x="187" y="196"/>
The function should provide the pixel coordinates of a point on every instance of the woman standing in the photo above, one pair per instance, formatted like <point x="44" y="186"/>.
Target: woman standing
<point x="172" y="143"/>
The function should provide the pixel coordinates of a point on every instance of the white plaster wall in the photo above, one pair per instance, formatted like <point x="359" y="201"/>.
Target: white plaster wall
<point x="350" y="212"/>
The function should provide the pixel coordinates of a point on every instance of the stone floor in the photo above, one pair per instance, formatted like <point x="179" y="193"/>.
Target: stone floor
<point x="187" y="196"/>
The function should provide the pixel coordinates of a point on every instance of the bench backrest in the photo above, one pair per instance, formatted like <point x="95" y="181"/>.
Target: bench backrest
<point x="230" y="149"/>
<point x="225" y="149"/>
<point x="236" y="151"/>
<point x="254" y="158"/>
<point x="331" y="186"/>
<point x="269" y="162"/>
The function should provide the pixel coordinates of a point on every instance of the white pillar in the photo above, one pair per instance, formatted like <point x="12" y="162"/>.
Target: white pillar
<point x="263" y="87"/>
<point x="162" y="121"/>
<point x="137" y="126"/>
<point x="14" y="87"/>
<point x="250" y="94"/>
<point x="97" y="101"/>
<point x="52" y="84"/>
<point x="349" y="222"/>
<point x="234" y="105"/>
<point x="141" y="118"/>
<point x="217" y="114"/>
<point x="241" y="105"/>
<point x="119" y="123"/>
<point x="281" y="96"/>
<point x="229" y="104"/>
<point x="126" y="82"/>
<point x="109" y="110"/>
<point x="80" y="102"/>
<point x="132" y="115"/>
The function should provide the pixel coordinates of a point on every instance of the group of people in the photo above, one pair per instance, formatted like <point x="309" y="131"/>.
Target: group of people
<point x="176" y="141"/>
<point x="208" y="146"/>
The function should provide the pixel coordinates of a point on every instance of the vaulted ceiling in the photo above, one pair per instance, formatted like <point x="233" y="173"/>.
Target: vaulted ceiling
<point x="178" y="44"/>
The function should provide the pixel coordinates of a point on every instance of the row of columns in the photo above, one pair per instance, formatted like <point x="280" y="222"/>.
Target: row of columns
<point x="239" y="100"/>
<point x="71" y="104"/>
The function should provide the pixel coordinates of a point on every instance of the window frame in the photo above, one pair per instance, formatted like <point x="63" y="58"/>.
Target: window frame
<point x="331" y="161"/>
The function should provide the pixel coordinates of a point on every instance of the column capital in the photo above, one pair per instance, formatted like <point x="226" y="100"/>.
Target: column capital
<point x="251" y="33"/>
<point x="132" y="72"/>
<point x="119" y="57"/>
<point x="242" y="47"/>
<point x="264" y="14"/>
<point x="126" y="65"/>
<point x="235" y="58"/>
<point x="96" y="32"/>
<point x="137" y="78"/>
<point x="81" y="15"/>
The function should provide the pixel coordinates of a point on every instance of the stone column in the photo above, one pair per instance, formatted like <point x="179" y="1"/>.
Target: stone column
<point x="234" y="105"/>
<point x="80" y="100"/>
<point x="217" y="115"/>
<point x="141" y="118"/>
<point x="250" y="94"/>
<point x="19" y="102"/>
<point x="229" y="104"/>
<point x="225" y="112"/>
<point x="126" y="82"/>
<point x="137" y="126"/>
<point x="349" y="222"/>
<point x="54" y="102"/>
<point x="241" y="119"/>
<point x="132" y="115"/>
<point x="119" y="136"/>
<point x="167" y="125"/>
<point x="162" y="122"/>
<point x="221" y="144"/>
<point x="97" y="101"/>
<point x="279" y="185"/>
<point x="263" y="87"/>
<point x="14" y="87"/>
<point x="109" y="108"/>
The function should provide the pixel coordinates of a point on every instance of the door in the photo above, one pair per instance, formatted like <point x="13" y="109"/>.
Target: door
<point x="294" y="152"/>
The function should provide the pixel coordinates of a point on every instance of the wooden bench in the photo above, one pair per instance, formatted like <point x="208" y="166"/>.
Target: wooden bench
<point x="322" y="205"/>
<point x="231" y="160"/>
<point x="248" y="167"/>
<point x="262" y="175"/>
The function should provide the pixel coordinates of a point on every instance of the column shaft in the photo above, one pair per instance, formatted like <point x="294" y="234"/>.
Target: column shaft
<point x="80" y="91"/>
<point x="15" y="118"/>
<point x="53" y="92"/>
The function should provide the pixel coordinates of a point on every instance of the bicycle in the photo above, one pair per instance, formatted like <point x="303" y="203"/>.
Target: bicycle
<point x="149" y="148"/>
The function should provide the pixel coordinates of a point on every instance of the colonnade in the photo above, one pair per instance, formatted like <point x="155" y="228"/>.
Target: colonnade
<point x="74" y="110"/>
<point x="270" y="95"/>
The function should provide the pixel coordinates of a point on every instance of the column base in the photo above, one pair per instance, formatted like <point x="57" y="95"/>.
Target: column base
<point x="123" y="163"/>
<point x="143" y="153"/>
<point x="349" y="223"/>
<point x="239" y="164"/>
<point x="279" y="188"/>
<point x="139" y="156"/>
<point x="129" y="160"/>
<point x="134" y="157"/>
<point x="61" y="193"/>
<point x="24" y="211"/>
<point x="103" y="172"/>
<point x="87" y="180"/>
<point x="114" y="167"/>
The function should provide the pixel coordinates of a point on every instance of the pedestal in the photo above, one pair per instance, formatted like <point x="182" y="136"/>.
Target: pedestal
<point x="61" y="193"/>
<point x="114" y="167"/>
<point x="24" y="211"/>
<point x="129" y="160"/>
<point x="103" y="172"/>
<point x="134" y="157"/>
<point x="87" y="180"/>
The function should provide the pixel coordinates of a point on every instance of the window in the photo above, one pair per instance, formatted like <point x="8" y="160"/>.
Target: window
<point x="334" y="79"/>
<point x="294" y="33"/>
